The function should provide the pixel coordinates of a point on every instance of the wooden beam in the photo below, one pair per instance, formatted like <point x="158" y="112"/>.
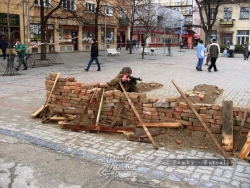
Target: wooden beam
<point x="161" y="125"/>
<point x="99" y="128"/>
<point x="36" y="113"/>
<point x="203" y="123"/>
<point x="246" y="148"/>
<point x="57" y="76"/>
<point x="227" y="125"/>
<point x="239" y="132"/>
<point x="117" y="113"/>
<point x="139" y="117"/>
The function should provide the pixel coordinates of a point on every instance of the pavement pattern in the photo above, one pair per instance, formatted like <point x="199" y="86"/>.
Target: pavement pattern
<point x="25" y="93"/>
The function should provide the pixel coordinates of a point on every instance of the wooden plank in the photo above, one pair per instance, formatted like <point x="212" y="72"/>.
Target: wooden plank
<point x="139" y="117"/>
<point x="36" y="113"/>
<point x="227" y="125"/>
<point x="245" y="150"/>
<point x="203" y="123"/>
<point x="100" y="108"/>
<point x="117" y="113"/>
<point x="239" y="132"/>
<point x="161" y="125"/>
<point x="98" y="128"/>
<point x="152" y="132"/>
<point x="56" y="118"/>
<point x="57" y="76"/>
<point x="87" y="106"/>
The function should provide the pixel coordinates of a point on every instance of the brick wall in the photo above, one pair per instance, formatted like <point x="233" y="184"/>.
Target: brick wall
<point x="70" y="96"/>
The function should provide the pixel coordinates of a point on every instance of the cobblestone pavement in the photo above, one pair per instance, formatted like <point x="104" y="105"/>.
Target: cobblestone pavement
<point x="22" y="94"/>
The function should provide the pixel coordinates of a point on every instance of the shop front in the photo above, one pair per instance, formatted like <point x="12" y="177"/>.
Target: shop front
<point x="35" y="37"/>
<point x="68" y="38"/>
<point x="88" y="33"/>
<point x="121" y="34"/>
<point x="13" y="33"/>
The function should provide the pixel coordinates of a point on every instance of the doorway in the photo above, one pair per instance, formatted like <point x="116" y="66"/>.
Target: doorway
<point x="75" y="40"/>
<point x="226" y="40"/>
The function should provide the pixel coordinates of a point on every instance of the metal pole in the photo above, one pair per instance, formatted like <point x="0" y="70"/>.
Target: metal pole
<point x="105" y="36"/>
<point x="23" y="3"/>
<point x="28" y="24"/>
<point x="164" y="39"/>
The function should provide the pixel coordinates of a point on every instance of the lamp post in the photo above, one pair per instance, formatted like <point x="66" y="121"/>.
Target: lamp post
<point x="105" y="34"/>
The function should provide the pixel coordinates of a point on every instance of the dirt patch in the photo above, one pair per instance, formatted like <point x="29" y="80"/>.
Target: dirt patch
<point x="146" y="87"/>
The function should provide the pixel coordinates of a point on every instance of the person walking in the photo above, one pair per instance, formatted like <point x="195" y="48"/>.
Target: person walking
<point x="93" y="55"/>
<point x="245" y="51"/>
<point x="21" y="51"/>
<point x="134" y="45"/>
<point x="200" y="50"/>
<point x="214" y="51"/>
<point x="208" y="59"/>
<point x="127" y="44"/>
<point x="248" y="51"/>
<point x="119" y="44"/>
<point x="3" y="46"/>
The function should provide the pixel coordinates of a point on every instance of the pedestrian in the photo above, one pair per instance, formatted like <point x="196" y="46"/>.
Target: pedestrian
<point x="245" y="51"/>
<point x="231" y="50"/>
<point x="248" y="51"/>
<point x="214" y="51"/>
<point x="119" y="44"/>
<point x="127" y="44"/>
<point x="3" y="46"/>
<point x="93" y="55"/>
<point x="225" y="52"/>
<point x="134" y="45"/>
<point x="200" y="50"/>
<point x="21" y="52"/>
<point x="208" y="59"/>
<point x="124" y="78"/>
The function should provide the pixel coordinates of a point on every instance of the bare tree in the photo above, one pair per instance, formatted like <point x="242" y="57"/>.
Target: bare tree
<point x="208" y="10"/>
<point x="128" y="9"/>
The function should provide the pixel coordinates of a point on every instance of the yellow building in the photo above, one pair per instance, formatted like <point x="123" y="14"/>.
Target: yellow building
<point x="64" y="33"/>
<point x="232" y="23"/>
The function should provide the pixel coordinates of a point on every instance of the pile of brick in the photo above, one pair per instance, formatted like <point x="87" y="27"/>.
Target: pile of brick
<point x="70" y="97"/>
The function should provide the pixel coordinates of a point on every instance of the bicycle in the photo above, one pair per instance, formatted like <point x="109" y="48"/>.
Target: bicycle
<point x="30" y="62"/>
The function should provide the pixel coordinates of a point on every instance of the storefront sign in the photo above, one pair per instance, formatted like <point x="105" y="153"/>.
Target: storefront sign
<point x="36" y="26"/>
<point x="69" y="27"/>
<point x="13" y="20"/>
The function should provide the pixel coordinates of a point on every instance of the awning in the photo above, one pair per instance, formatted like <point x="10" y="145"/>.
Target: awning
<point x="196" y="36"/>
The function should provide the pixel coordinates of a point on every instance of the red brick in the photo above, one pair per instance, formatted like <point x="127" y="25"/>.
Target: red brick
<point x="197" y="129"/>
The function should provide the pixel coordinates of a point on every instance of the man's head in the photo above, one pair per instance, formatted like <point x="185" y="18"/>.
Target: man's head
<point x="201" y="41"/>
<point x="214" y="40"/>
<point x="17" y="42"/>
<point x="126" y="70"/>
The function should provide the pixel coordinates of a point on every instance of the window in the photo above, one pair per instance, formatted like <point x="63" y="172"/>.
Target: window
<point x="69" y="4"/>
<point x="109" y="35"/>
<point x="108" y="10"/>
<point x="212" y="13"/>
<point x="88" y="33"/>
<point x="228" y="13"/>
<point x="244" y="13"/>
<point x="90" y="7"/>
<point x="242" y="36"/>
<point x="188" y="10"/>
<point x="46" y="3"/>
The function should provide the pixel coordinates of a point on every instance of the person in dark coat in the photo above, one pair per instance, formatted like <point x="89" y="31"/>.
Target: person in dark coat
<point x="123" y="77"/>
<point x="3" y="46"/>
<point x="119" y="44"/>
<point x="214" y="51"/>
<point x="93" y="55"/>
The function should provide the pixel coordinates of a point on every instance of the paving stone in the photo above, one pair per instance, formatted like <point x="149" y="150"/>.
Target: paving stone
<point x="161" y="167"/>
<point x="157" y="174"/>
<point x="220" y="179"/>
<point x="240" y="168"/>
<point x="142" y="170"/>
<point x="191" y="181"/>
<point x="218" y="172"/>
<point x="241" y="179"/>
<point x="207" y="184"/>
<point x="225" y="186"/>
<point x="80" y="153"/>
<point x="205" y="177"/>
<point x="183" y="171"/>
<point x="174" y="177"/>
<point x="203" y="171"/>
<point x="245" y="185"/>
<point x="169" y="169"/>
<point x="242" y="175"/>
<point x="91" y="156"/>
<point x="235" y="183"/>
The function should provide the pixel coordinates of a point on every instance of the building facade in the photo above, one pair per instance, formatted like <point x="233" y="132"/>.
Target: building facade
<point x="232" y="23"/>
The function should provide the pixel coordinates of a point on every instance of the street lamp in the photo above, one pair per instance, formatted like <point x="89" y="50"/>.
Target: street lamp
<point x="105" y="33"/>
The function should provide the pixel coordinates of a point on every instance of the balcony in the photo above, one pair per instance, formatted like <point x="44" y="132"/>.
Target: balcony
<point x="227" y="22"/>
<point x="188" y="23"/>
<point x="123" y="21"/>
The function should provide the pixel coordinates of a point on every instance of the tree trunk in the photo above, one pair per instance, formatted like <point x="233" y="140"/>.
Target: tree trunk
<point x="43" y="34"/>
